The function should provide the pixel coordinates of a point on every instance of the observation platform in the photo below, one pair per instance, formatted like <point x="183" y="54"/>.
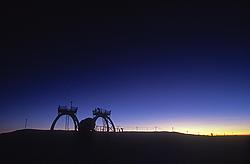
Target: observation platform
<point x="101" y="112"/>
<point x="67" y="110"/>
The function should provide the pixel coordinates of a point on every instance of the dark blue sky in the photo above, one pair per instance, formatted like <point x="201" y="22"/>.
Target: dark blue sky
<point x="175" y="64"/>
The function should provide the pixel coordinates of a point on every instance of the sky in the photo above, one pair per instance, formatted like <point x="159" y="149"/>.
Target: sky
<point x="174" y="65"/>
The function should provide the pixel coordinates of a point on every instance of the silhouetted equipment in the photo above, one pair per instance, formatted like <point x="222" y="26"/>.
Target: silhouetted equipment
<point x="70" y="112"/>
<point x="87" y="125"/>
<point x="119" y="129"/>
<point x="108" y="125"/>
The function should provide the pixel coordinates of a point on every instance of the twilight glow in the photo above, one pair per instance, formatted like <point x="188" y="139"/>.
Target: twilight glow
<point x="157" y="69"/>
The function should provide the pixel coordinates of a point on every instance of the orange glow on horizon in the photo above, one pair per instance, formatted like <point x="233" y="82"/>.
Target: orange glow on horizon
<point x="215" y="126"/>
<point x="211" y="129"/>
<point x="194" y="132"/>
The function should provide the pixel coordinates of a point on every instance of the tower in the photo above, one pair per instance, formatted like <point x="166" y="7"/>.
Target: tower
<point x="68" y="112"/>
<point x="108" y="124"/>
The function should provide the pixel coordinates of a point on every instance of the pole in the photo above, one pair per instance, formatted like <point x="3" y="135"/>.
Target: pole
<point x="25" y="125"/>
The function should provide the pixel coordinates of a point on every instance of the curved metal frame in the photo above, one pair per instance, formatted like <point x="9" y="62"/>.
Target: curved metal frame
<point x="74" y="118"/>
<point x="107" y="120"/>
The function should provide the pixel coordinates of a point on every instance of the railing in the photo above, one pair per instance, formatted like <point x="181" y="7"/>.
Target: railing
<point x="98" y="111"/>
<point x="65" y="109"/>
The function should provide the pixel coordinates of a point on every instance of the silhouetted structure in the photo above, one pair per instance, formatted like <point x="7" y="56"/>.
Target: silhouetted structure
<point x="71" y="112"/>
<point x="87" y="125"/>
<point x="108" y="125"/>
<point x="25" y="124"/>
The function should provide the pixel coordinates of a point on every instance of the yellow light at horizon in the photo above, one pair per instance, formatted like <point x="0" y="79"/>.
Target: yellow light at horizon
<point x="208" y="128"/>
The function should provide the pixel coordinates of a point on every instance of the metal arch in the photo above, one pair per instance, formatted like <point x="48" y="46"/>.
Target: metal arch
<point x="107" y="123"/>
<point x="107" y="120"/>
<point x="111" y="122"/>
<point x="74" y="118"/>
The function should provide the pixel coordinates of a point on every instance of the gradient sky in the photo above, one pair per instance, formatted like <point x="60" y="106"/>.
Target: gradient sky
<point x="181" y="65"/>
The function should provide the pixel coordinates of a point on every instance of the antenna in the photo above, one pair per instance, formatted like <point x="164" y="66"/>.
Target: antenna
<point x="67" y="122"/>
<point x="25" y="124"/>
<point x="67" y="118"/>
